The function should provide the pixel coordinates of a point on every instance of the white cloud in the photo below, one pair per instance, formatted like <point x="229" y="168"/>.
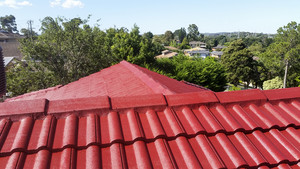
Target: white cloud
<point x="14" y="3"/>
<point x="67" y="3"/>
<point x="55" y="3"/>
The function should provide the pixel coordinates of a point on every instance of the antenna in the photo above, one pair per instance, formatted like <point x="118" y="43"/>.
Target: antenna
<point x="30" y="28"/>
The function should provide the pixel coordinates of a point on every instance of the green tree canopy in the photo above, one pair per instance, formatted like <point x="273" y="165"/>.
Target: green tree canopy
<point x="239" y="64"/>
<point x="180" y="34"/>
<point x="168" y="37"/>
<point x="8" y="23"/>
<point x="69" y="48"/>
<point x="204" y="72"/>
<point x="193" y="32"/>
<point x="282" y="57"/>
<point x="28" y="77"/>
<point x="275" y="83"/>
<point x="148" y="35"/>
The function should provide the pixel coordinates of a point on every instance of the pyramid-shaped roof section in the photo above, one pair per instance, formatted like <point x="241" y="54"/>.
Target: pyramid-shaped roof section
<point x="123" y="79"/>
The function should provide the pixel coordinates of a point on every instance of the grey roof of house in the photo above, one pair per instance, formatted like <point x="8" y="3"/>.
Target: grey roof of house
<point x="217" y="53"/>
<point x="196" y="42"/>
<point x="199" y="51"/>
<point x="7" y="35"/>
<point x="219" y="47"/>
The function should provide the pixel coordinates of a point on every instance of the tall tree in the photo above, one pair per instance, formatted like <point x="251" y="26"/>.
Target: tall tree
<point x="193" y="32"/>
<point x="133" y="47"/>
<point x="148" y="35"/>
<point x="282" y="58"/>
<point x="69" y="48"/>
<point x="180" y="34"/>
<point x="238" y="63"/>
<point x="168" y="37"/>
<point x="8" y="23"/>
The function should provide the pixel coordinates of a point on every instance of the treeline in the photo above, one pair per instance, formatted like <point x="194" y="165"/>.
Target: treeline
<point x="180" y="38"/>
<point x="68" y="49"/>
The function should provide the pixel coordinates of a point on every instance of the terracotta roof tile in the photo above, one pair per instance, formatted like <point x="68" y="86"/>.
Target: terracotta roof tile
<point x="204" y="135"/>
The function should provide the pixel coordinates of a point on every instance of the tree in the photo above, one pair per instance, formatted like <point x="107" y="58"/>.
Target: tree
<point x="275" y="83"/>
<point x="193" y="32"/>
<point x="148" y="35"/>
<point x="238" y="63"/>
<point x="28" y="77"/>
<point x="282" y="57"/>
<point x="168" y="37"/>
<point x="70" y="49"/>
<point x="8" y="23"/>
<point x="184" y="44"/>
<point x="158" y="39"/>
<point x="256" y="48"/>
<point x="205" y="72"/>
<point x="180" y="34"/>
<point x="133" y="47"/>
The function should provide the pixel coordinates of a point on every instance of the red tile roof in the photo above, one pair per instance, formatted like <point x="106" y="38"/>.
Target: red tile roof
<point x="123" y="79"/>
<point x="250" y="128"/>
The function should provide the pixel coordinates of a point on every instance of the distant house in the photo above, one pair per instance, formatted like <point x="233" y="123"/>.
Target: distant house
<point x="218" y="48"/>
<point x="10" y="44"/>
<point x="197" y="52"/>
<point x="166" y="54"/>
<point x="171" y="48"/>
<point x="216" y="54"/>
<point x="195" y="44"/>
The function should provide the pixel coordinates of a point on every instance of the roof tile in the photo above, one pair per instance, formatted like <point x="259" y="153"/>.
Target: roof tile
<point x="245" y="147"/>
<point x="225" y="118"/>
<point x="240" y="96"/>
<point x="205" y="151"/>
<point x="39" y="160"/>
<point x="138" y="101"/>
<point x="183" y="153"/>
<point x="227" y="151"/>
<point x="151" y="124"/>
<point x="42" y="134"/>
<point x="78" y="104"/>
<point x="189" y="121"/>
<point x="28" y="107"/>
<point x="170" y="123"/>
<point x="191" y="98"/>
<point x="279" y="94"/>
<point x="208" y="120"/>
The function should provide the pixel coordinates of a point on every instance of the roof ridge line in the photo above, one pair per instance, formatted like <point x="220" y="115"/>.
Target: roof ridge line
<point x="139" y="73"/>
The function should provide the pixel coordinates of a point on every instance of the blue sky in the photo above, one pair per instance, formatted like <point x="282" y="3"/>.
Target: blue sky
<point x="158" y="16"/>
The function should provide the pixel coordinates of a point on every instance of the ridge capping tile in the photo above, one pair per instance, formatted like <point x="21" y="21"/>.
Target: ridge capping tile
<point x="240" y="96"/>
<point x="278" y="94"/>
<point x="78" y="104"/>
<point x="138" y="101"/>
<point x="23" y="107"/>
<point x="191" y="98"/>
